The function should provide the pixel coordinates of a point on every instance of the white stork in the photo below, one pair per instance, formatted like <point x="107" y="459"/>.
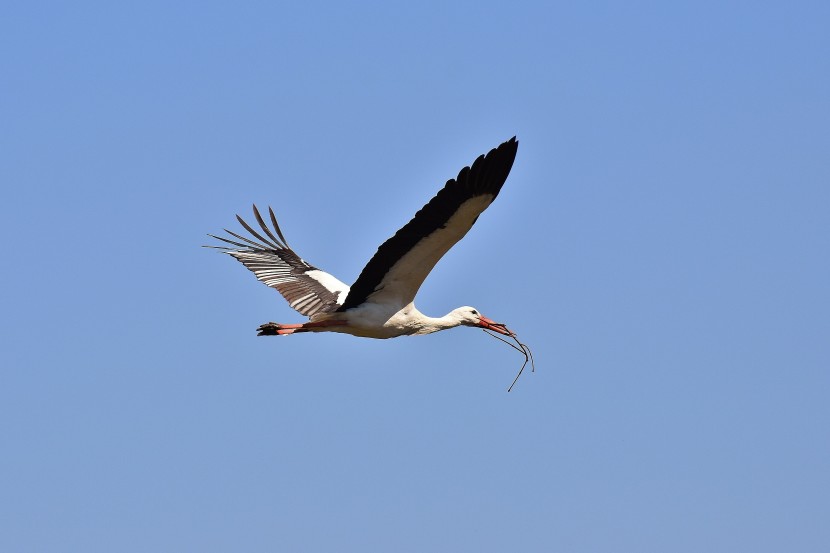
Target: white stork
<point x="380" y="303"/>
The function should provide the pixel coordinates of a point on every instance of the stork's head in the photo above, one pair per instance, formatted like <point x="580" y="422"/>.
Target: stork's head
<point x="469" y="316"/>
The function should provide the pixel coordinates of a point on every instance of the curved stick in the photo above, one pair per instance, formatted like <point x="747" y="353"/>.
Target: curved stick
<point x="523" y="349"/>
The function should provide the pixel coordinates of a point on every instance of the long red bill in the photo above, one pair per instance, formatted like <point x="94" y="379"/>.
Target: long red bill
<point x="490" y="324"/>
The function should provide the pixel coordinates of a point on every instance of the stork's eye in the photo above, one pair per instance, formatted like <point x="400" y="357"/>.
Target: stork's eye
<point x="475" y="312"/>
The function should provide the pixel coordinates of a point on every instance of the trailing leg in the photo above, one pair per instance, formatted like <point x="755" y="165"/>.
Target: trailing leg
<point x="277" y="329"/>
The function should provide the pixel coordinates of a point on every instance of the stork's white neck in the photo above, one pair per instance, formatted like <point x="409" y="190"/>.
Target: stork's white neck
<point x="416" y="322"/>
<point x="428" y="325"/>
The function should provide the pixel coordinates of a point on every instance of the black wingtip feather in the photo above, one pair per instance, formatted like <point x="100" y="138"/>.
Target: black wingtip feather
<point x="255" y="233"/>
<point x="276" y="226"/>
<point x="266" y="229"/>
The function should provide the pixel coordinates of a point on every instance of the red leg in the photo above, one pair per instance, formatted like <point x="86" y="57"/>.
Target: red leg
<point x="277" y="329"/>
<point x="322" y="324"/>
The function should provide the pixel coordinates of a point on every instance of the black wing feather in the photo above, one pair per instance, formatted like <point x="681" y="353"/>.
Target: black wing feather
<point x="486" y="176"/>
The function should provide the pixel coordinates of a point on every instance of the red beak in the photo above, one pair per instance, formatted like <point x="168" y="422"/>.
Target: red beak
<point x="490" y="324"/>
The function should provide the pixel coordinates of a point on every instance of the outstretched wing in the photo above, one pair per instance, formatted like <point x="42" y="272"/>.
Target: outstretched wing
<point x="306" y="288"/>
<point x="401" y="264"/>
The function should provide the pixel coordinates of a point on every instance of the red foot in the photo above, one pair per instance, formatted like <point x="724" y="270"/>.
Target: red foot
<point x="274" y="329"/>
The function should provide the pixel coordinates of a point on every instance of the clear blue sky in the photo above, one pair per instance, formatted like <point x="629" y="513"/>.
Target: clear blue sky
<point x="662" y="245"/>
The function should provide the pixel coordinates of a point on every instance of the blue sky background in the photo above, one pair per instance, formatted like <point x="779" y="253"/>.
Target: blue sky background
<point x="661" y="244"/>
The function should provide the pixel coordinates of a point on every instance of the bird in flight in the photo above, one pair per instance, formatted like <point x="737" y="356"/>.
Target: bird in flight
<point x="380" y="303"/>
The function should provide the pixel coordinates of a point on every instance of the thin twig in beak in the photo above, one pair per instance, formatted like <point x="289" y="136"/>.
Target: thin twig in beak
<point x="523" y="349"/>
